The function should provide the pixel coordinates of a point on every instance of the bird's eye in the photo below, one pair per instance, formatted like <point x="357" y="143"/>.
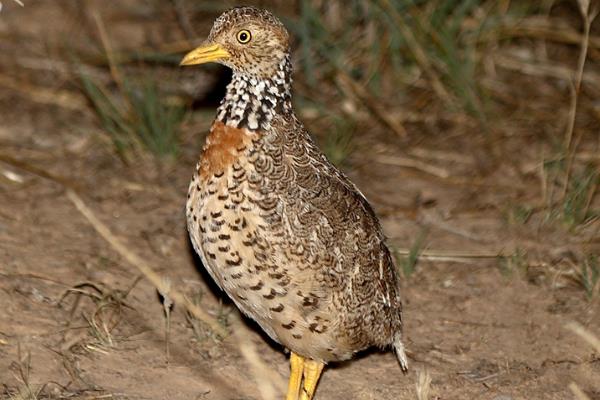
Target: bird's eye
<point x="244" y="36"/>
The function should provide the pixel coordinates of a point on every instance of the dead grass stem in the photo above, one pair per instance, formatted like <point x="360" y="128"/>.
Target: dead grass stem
<point x="545" y="70"/>
<point x="354" y="90"/>
<point x="167" y="305"/>
<point x="419" y="54"/>
<point x="43" y="95"/>
<point x="451" y="255"/>
<point x="141" y="265"/>
<point x="546" y="29"/>
<point x="128" y="255"/>
<point x="413" y="163"/>
<point x="21" y="370"/>
<point x="571" y="145"/>
<point x="592" y="340"/>
<point x="577" y="392"/>
<point x="269" y="383"/>
<point x="423" y="384"/>
<point x="112" y="64"/>
<point x="586" y="335"/>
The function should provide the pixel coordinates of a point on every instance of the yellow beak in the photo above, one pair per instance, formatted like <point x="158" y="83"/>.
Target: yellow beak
<point x="204" y="54"/>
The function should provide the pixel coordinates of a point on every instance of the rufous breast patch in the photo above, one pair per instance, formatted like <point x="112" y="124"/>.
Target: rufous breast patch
<point x="223" y="146"/>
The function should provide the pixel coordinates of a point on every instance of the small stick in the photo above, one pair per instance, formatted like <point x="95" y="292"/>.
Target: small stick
<point x="140" y="264"/>
<point x="585" y="335"/>
<point x="423" y="384"/>
<point x="114" y="71"/>
<point x="267" y="380"/>
<point x="546" y="31"/>
<point x="450" y="256"/>
<point x="590" y="197"/>
<point x="431" y="219"/>
<point x="412" y="163"/>
<point x="419" y="54"/>
<point x="372" y="104"/>
<point x="543" y="70"/>
<point x="570" y="147"/>
<point x="44" y="95"/>
<point x="42" y="173"/>
<point x="578" y="392"/>
<point x="167" y="305"/>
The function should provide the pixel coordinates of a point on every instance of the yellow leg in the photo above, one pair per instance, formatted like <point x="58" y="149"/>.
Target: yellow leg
<point x="296" y="371"/>
<point x="312" y="372"/>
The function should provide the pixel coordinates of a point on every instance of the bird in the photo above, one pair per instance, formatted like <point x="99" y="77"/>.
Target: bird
<point x="282" y="231"/>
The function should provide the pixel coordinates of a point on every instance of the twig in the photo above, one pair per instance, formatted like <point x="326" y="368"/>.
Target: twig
<point x="570" y="147"/>
<point x="444" y="156"/>
<point x="167" y="305"/>
<point x="423" y="384"/>
<point x="373" y="104"/>
<point x="590" y="196"/>
<point x="546" y="29"/>
<point x="19" y="2"/>
<point x="585" y="335"/>
<point x="440" y="224"/>
<point x="486" y="378"/>
<point x="451" y="256"/>
<point x="421" y="58"/>
<point x="42" y="173"/>
<point x="131" y="257"/>
<point x="544" y="183"/>
<point x="112" y="64"/>
<point x="412" y="163"/>
<point x="140" y="264"/>
<point x="64" y="68"/>
<point x="42" y="95"/>
<point x="578" y="392"/>
<point x="544" y="70"/>
<point x="267" y="380"/>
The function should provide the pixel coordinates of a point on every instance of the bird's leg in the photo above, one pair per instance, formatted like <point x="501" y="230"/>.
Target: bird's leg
<point x="296" y="371"/>
<point x="312" y="372"/>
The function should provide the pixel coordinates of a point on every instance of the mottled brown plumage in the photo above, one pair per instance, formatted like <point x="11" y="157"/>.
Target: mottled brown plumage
<point x="280" y="229"/>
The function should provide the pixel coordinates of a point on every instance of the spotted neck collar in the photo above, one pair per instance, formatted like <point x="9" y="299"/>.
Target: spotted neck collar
<point x="251" y="102"/>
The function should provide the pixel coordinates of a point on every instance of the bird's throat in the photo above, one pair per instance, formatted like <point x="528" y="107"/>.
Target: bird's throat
<point x="251" y="102"/>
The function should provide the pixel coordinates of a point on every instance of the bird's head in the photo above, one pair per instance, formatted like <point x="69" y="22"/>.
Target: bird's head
<point x="248" y="40"/>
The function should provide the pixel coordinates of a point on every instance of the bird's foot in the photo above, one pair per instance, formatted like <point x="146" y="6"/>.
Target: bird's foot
<point x="296" y="370"/>
<point x="304" y="376"/>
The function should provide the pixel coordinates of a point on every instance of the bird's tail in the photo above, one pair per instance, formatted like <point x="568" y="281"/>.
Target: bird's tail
<point x="399" y="350"/>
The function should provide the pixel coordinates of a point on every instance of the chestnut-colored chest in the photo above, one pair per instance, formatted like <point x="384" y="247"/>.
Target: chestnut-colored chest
<point x="224" y="145"/>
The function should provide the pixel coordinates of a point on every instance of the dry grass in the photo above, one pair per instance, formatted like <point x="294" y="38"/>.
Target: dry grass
<point x="142" y="266"/>
<point x="588" y="15"/>
<point x="423" y="384"/>
<point x="269" y="383"/>
<point x="167" y="306"/>
<point x="584" y="334"/>
<point x="21" y="370"/>
<point x="591" y="340"/>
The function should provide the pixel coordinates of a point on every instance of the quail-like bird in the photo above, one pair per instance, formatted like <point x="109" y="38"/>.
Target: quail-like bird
<point x="281" y="230"/>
